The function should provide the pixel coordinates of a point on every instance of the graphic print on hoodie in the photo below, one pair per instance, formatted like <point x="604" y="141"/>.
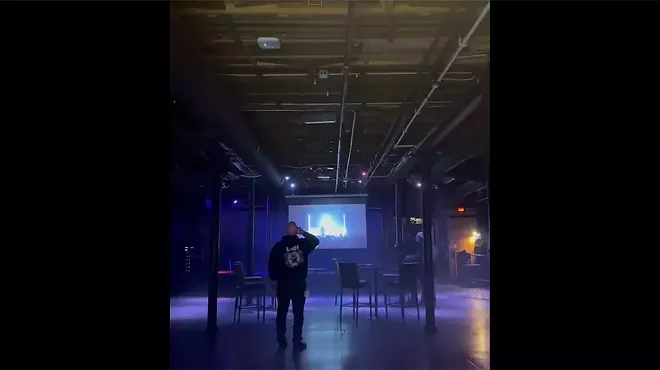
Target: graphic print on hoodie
<point x="288" y="257"/>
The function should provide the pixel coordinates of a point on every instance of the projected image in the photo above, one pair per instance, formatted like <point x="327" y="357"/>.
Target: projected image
<point x="338" y="226"/>
<point x="326" y="225"/>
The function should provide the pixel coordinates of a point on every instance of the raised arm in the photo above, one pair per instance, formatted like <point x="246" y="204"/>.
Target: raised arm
<point x="310" y="240"/>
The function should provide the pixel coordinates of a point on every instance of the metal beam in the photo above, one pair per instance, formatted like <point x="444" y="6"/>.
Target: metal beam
<point x="411" y="159"/>
<point x="456" y="45"/>
<point x="427" y="221"/>
<point x="250" y="229"/>
<point x="478" y="143"/>
<point x="297" y="10"/>
<point x="212" y="297"/>
<point x="350" y="149"/>
<point x="399" y="126"/>
<point x="347" y="59"/>
<point x="471" y="169"/>
<point x="467" y="189"/>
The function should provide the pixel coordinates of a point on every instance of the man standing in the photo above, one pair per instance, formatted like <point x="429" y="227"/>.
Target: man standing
<point x="419" y="258"/>
<point x="287" y="266"/>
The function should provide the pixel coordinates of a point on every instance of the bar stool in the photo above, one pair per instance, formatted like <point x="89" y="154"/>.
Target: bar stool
<point x="404" y="283"/>
<point x="339" y="289"/>
<point x="250" y="285"/>
<point x="349" y="278"/>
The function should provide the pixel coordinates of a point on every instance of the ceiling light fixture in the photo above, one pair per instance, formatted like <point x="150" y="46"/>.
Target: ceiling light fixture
<point x="319" y="122"/>
<point x="268" y="43"/>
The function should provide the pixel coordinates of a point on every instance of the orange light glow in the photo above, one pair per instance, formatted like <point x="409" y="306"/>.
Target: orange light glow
<point x="460" y="209"/>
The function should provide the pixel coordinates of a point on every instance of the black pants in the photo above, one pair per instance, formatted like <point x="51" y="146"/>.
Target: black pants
<point x="294" y="293"/>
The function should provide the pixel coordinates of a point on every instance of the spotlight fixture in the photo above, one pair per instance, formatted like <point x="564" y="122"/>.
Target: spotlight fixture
<point x="235" y="201"/>
<point x="359" y="181"/>
<point x="364" y="173"/>
<point x="286" y="178"/>
<point x="419" y="184"/>
<point x="293" y="186"/>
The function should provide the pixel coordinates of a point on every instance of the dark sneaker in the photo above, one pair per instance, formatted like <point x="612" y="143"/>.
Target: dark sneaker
<point x="299" y="346"/>
<point x="282" y="345"/>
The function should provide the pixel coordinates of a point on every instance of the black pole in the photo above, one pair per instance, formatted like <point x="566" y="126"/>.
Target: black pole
<point x="427" y="222"/>
<point x="250" y="231"/>
<point x="267" y="222"/>
<point x="441" y="262"/>
<point x="488" y="200"/>
<point x="397" y="207"/>
<point x="216" y="216"/>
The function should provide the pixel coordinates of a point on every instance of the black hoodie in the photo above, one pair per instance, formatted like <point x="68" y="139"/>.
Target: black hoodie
<point x="288" y="258"/>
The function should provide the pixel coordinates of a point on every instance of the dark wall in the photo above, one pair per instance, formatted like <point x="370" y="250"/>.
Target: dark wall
<point x="482" y="215"/>
<point x="189" y="226"/>
<point x="234" y="239"/>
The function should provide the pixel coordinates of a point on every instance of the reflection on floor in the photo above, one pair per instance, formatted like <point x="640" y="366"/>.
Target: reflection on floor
<point x="462" y="341"/>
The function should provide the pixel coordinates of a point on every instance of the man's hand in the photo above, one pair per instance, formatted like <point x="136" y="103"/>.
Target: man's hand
<point x="300" y="231"/>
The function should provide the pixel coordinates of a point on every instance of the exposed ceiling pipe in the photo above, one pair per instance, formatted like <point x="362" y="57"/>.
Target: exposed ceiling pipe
<point x="467" y="189"/>
<point x="353" y="74"/>
<point x="375" y="104"/>
<point x="341" y="125"/>
<point x="285" y="110"/>
<point x="388" y="143"/>
<point x="461" y="44"/>
<point x="350" y="149"/>
<point x="407" y="162"/>
<point x="347" y="58"/>
<point x="471" y="107"/>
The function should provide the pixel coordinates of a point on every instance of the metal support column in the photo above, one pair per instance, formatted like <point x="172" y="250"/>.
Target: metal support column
<point x="441" y="233"/>
<point x="487" y="109"/>
<point x="488" y="201"/>
<point x="267" y="223"/>
<point x="214" y="244"/>
<point x="250" y="230"/>
<point x="427" y="222"/>
<point x="397" y="206"/>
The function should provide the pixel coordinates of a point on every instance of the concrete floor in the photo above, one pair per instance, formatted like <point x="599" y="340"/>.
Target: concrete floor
<point x="462" y="341"/>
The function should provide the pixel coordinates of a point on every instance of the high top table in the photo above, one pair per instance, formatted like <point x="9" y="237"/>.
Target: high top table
<point x="376" y="272"/>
